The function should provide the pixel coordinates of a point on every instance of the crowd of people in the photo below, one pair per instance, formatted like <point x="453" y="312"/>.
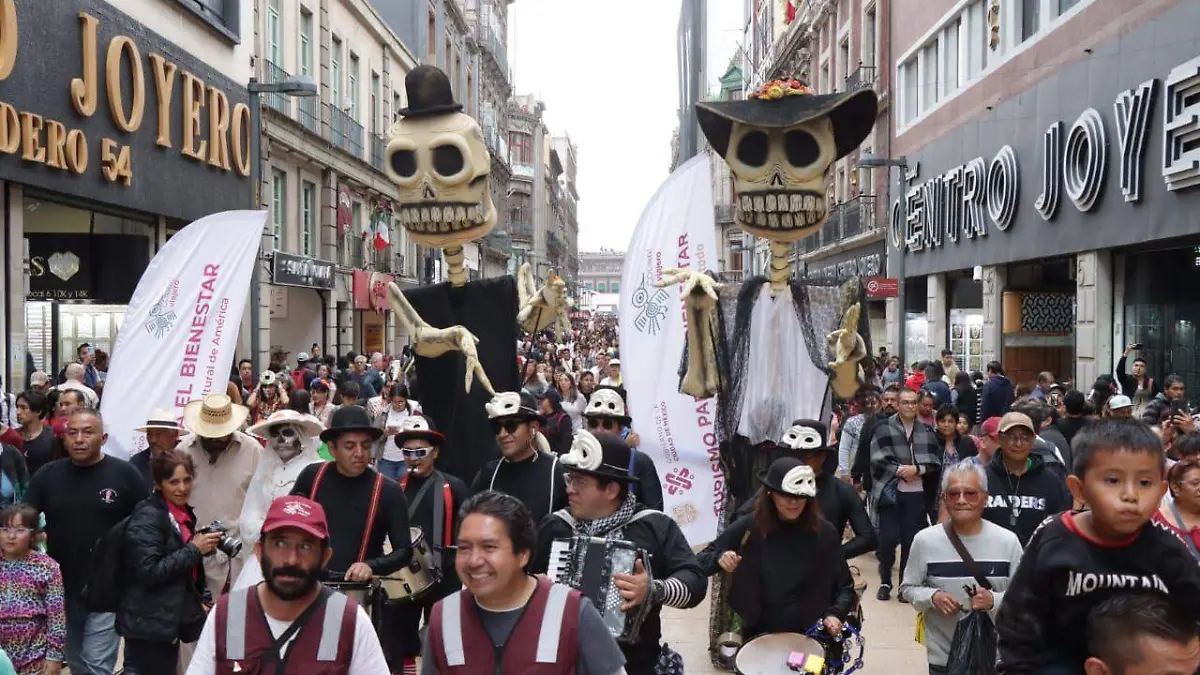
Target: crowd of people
<point x="239" y="535"/>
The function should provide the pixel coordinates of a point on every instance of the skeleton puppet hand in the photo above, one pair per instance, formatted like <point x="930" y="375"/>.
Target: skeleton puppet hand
<point x="541" y="308"/>
<point x="699" y="293"/>
<point x="699" y="289"/>
<point x="431" y="342"/>
<point x="848" y="349"/>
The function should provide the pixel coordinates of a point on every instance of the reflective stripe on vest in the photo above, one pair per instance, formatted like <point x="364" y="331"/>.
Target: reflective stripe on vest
<point x="548" y="638"/>
<point x="331" y="628"/>
<point x="235" y="626"/>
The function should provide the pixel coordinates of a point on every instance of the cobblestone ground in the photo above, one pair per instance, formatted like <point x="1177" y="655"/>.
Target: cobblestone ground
<point x="889" y="633"/>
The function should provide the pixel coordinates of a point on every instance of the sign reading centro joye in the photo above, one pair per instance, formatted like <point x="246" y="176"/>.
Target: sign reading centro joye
<point x="963" y="201"/>
<point x="94" y="104"/>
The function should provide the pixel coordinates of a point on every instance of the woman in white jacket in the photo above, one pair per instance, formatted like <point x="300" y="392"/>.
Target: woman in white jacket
<point x="573" y="402"/>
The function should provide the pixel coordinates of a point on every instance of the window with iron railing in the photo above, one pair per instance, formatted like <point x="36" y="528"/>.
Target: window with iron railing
<point x="377" y="149"/>
<point x="347" y="134"/>
<point x="308" y="215"/>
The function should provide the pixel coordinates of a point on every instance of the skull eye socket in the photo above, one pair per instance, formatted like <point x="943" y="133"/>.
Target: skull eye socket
<point x="404" y="163"/>
<point x="447" y="160"/>
<point x="752" y="149"/>
<point x="801" y="148"/>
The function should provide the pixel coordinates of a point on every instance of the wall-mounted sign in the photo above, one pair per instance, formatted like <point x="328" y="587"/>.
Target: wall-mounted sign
<point x="97" y="267"/>
<point x="861" y="262"/>
<point x="977" y="197"/>
<point x="296" y="270"/>
<point x="370" y="290"/>
<point x="279" y="302"/>
<point x="883" y="287"/>
<point x="93" y="103"/>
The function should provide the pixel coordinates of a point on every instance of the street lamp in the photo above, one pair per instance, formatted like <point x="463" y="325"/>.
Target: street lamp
<point x="295" y="86"/>
<point x="895" y="245"/>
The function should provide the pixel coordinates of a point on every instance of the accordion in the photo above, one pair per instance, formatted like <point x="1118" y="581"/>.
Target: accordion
<point x="588" y="564"/>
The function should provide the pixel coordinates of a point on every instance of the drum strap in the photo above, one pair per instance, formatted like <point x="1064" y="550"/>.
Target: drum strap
<point x="372" y="510"/>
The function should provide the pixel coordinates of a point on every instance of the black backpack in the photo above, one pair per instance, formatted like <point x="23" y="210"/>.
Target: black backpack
<point x="105" y="586"/>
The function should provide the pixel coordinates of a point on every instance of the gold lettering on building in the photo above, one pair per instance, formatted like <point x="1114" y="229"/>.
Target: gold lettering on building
<point x="83" y="89"/>
<point x="8" y="37"/>
<point x="122" y="48"/>
<point x="241" y="138"/>
<point x="77" y="151"/>
<point x="218" y="129"/>
<point x="56" y="144"/>
<point x="31" y="138"/>
<point x="115" y="162"/>
<point x="164" y="87"/>
<point x="10" y="129"/>
<point x="193" y="101"/>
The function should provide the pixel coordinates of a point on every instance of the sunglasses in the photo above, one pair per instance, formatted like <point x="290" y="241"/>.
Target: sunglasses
<point x="606" y="424"/>
<point x="509" y="425"/>
<point x="971" y="496"/>
<point x="417" y="453"/>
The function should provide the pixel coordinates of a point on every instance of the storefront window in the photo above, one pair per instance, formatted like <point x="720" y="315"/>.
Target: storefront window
<point x="1162" y="313"/>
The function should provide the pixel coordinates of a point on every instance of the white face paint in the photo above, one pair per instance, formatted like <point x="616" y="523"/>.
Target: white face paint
<point x="285" y="440"/>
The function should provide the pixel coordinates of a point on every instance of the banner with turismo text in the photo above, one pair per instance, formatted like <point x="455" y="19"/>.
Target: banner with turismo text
<point x="677" y="229"/>
<point x="180" y="332"/>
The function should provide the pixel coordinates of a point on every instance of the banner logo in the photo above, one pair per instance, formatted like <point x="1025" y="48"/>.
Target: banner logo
<point x="679" y="481"/>
<point x="162" y="318"/>
<point x="651" y="303"/>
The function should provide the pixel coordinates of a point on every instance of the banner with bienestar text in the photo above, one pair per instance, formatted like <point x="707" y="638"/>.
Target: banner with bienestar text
<point x="179" y="335"/>
<point x="677" y="229"/>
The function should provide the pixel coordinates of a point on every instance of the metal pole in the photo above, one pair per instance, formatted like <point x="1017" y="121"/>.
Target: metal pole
<point x="256" y="180"/>
<point x="899" y="272"/>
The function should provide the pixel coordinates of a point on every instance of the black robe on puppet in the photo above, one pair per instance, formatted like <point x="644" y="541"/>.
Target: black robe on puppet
<point x="464" y="332"/>
<point x="774" y="350"/>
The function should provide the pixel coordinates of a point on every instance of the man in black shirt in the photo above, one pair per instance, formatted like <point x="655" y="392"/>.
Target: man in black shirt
<point x="433" y="501"/>
<point x="363" y="507"/>
<point x="83" y="496"/>
<point x="527" y="471"/>
<point x="32" y="408"/>
<point x="162" y="434"/>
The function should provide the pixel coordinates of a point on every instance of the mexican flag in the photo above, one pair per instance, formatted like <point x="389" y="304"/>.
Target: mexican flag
<point x="791" y="5"/>
<point x="380" y="232"/>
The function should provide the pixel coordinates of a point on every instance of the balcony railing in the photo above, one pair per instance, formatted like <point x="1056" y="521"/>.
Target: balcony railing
<point x="273" y="74"/>
<point x="347" y="134"/>
<point x="731" y="276"/>
<point x="857" y="216"/>
<point x="493" y="46"/>
<point x="724" y="213"/>
<point x="498" y="243"/>
<point x="377" y="146"/>
<point x="310" y="114"/>
<point x="382" y="260"/>
<point x="496" y="143"/>
<point x="862" y="77"/>
<point x="523" y="170"/>
<point x="355" y="251"/>
<point x="554" y="243"/>
<point x="520" y="230"/>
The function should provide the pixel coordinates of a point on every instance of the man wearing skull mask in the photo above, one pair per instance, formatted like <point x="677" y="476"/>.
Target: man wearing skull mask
<point x="438" y="158"/>
<point x="290" y="448"/>
<point x="602" y="505"/>
<point x="433" y="501"/>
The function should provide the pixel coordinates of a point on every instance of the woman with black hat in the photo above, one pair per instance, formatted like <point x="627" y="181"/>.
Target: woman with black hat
<point x="787" y="570"/>
<point x="528" y="470"/>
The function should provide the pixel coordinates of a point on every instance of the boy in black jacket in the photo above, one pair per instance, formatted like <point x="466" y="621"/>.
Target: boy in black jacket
<point x="1077" y="560"/>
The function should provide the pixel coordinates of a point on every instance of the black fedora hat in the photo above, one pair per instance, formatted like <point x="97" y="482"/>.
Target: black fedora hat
<point x="806" y="437"/>
<point x="513" y="405"/>
<point x="600" y="455"/>
<point x="790" y="476"/>
<point x="416" y="427"/>
<point x="350" y="418"/>
<point x="853" y="114"/>
<point x="429" y="93"/>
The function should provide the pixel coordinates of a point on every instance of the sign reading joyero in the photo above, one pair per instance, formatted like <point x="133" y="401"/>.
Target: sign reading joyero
<point x="968" y="200"/>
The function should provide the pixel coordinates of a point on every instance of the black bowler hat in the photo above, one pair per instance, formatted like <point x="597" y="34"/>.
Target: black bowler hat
<point x="429" y="93"/>
<point x="600" y="455"/>
<point x="790" y="476"/>
<point x="350" y="418"/>
<point x="513" y="405"/>
<point x="806" y="437"/>
<point x="418" y="427"/>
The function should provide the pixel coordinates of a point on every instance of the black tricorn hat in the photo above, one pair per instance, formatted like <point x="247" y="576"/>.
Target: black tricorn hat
<point x="853" y="114"/>
<point x="429" y="93"/>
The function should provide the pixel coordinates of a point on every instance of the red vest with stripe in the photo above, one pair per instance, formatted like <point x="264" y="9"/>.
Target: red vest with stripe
<point x="324" y="646"/>
<point x="545" y="640"/>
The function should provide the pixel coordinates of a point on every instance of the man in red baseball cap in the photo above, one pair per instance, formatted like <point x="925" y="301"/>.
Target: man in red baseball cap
<point x="283" y="619"/>
<point x="988" y="440"/>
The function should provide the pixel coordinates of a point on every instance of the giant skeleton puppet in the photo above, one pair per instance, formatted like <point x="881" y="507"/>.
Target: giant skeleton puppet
<point x="437" y="157"/>
<point x="775" y="349"/>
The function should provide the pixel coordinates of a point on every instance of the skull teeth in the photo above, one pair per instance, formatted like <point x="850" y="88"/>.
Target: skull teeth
<point x="785" y="211"/>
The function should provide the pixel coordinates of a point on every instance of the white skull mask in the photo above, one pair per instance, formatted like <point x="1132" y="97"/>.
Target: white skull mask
<point x="443" y="170"/>
<point x="800" y="481"/>
<point x="286" y="440"/>
<point x="779" y="177"/>
<point x="801" y="437"/>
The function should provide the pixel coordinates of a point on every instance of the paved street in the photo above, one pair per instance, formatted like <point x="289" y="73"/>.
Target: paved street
<point x="889" y="632"/>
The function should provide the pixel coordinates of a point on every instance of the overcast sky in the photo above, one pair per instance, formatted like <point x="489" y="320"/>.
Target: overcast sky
<point x="607" y="74"/>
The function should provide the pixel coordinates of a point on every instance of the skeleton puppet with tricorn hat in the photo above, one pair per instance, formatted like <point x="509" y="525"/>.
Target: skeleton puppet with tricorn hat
<point x="437" y="157"/>
<point x="775" y="349"/>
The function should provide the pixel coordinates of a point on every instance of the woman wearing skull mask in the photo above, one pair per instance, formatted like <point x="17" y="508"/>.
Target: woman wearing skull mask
<point x="787" y="570"/>
<point x="265" y="400"/>
<point x="291" y="446"/>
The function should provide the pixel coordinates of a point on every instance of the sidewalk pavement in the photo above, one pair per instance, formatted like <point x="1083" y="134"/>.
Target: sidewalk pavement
<point x="889" y="626"/>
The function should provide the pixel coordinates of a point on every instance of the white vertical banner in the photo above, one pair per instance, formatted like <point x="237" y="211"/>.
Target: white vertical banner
<point x="180" y="332"/>
<point x="677" y="229"/>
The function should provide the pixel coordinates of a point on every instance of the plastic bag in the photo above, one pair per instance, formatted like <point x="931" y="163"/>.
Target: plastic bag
<point x="973" y="649"/>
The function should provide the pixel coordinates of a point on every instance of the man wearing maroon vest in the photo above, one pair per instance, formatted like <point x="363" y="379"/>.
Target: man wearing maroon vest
<point x="290" y="618"/>
<point x="527" y="625"/>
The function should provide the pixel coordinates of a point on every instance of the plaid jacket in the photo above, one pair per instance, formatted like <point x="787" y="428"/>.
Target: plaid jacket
<point x="890" y="449"/>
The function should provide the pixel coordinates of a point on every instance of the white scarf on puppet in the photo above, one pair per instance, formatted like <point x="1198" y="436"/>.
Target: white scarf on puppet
<point x="289" y="450"/>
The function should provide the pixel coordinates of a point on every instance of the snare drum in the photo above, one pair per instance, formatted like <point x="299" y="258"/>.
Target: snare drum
<point x="770" y="654"/>
<point x="412" y="582"/>
<point x="365" y="593"/>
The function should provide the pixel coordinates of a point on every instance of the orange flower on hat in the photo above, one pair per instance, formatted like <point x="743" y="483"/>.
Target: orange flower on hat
<point x="777" y="89"/>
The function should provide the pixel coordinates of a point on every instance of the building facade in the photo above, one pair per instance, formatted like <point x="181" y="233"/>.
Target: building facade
<point x="102" y="170"/>
<point x="734" y="252"/>
<point x="1052" y="193"/>
<point x="600" y="279"/>
<point x="566" y="263"/>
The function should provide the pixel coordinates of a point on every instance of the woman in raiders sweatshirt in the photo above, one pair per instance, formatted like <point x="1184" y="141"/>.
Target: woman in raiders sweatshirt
<point x="1022" y="490"/>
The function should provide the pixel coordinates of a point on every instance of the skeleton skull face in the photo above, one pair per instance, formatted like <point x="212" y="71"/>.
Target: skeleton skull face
<point x="286" y="440"/>
<point x="443" y="170"/>
<point x="779" y="177"/>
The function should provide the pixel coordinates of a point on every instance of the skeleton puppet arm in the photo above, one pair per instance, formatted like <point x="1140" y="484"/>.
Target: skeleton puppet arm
<point x="848" y="349"/>
<point x="699" y="294"/>
<point x="431" y="342"/>
<point x="541" y="308"/>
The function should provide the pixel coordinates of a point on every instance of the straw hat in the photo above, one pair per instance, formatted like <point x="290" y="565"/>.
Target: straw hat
<point x="161" y="418"/>
<point x="309" y="425"/>
<point x="214" y="416"/>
